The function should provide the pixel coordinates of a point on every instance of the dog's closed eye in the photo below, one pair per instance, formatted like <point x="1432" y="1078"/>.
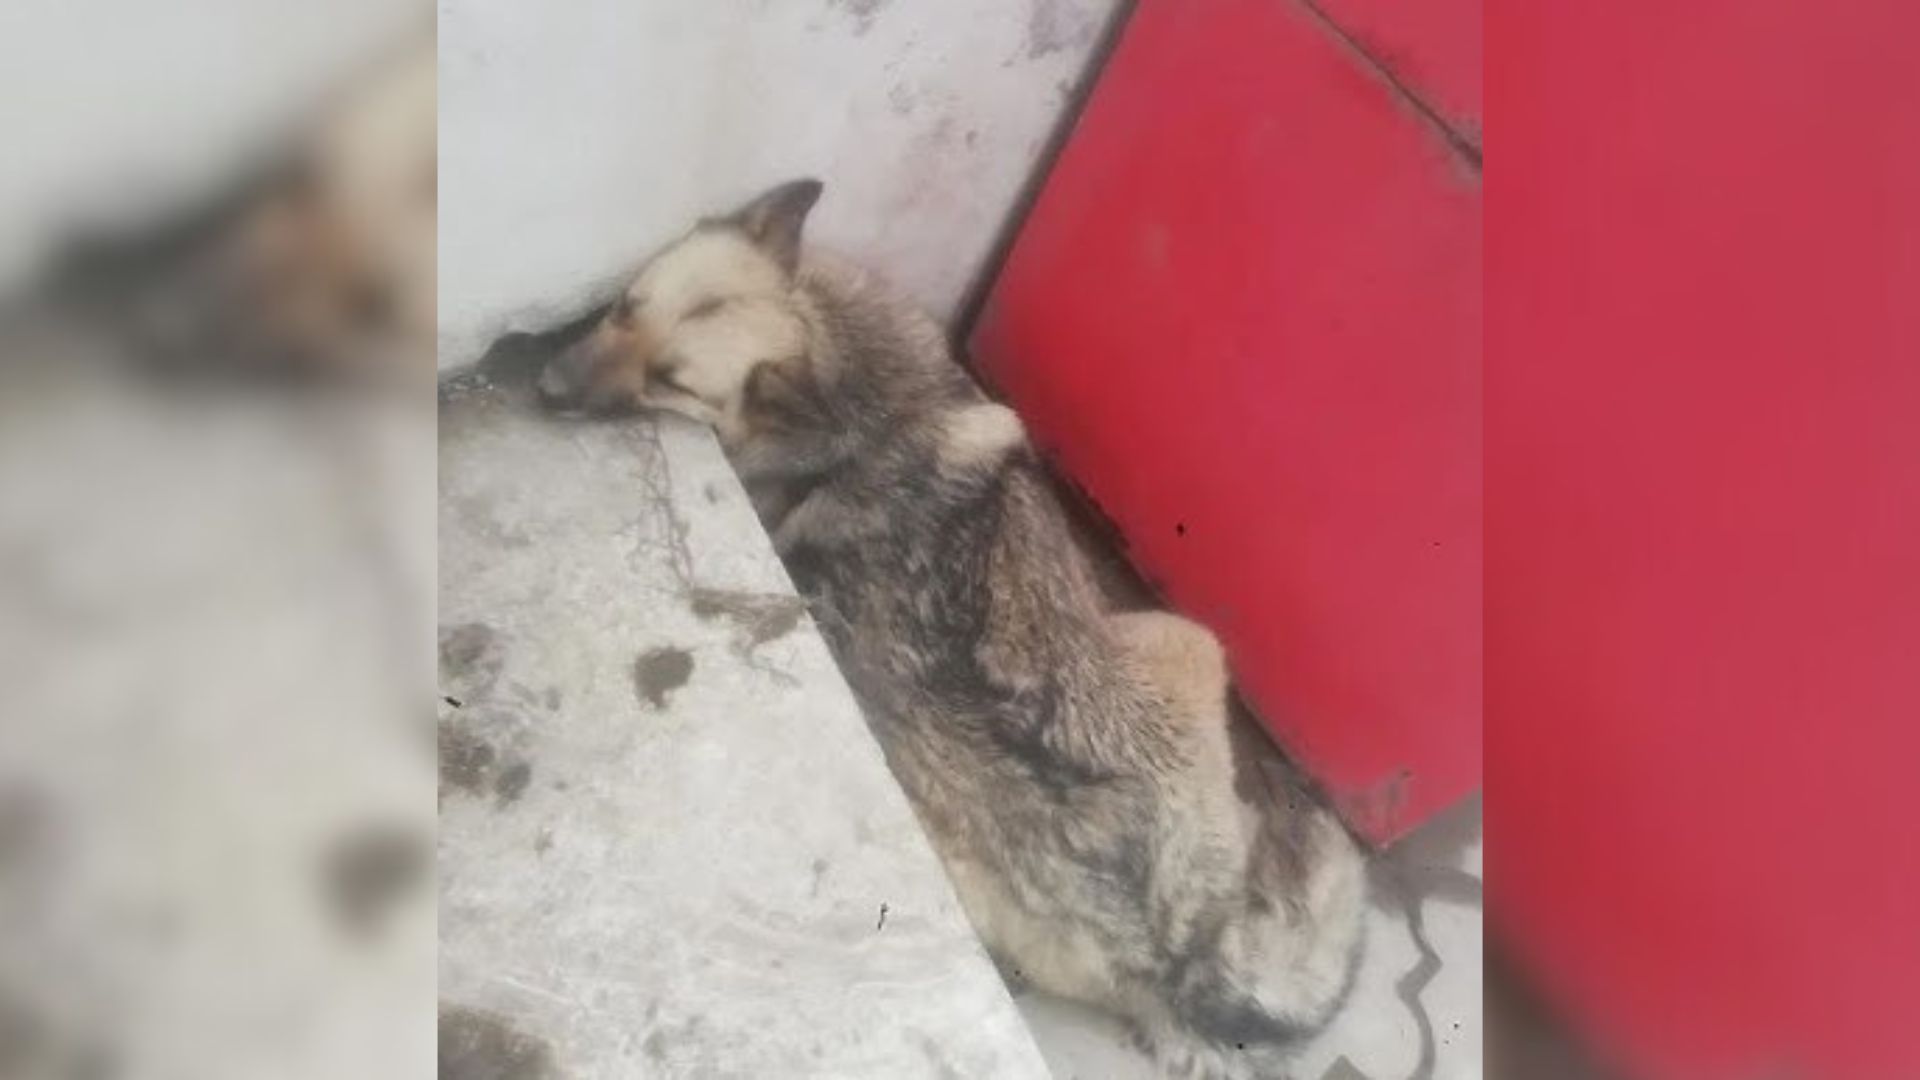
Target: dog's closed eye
<point x="669" y="377"/>
<point x="704" y="308"/>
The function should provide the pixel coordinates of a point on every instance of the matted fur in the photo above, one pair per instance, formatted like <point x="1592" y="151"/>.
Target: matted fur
<point x="1071" y="764"/>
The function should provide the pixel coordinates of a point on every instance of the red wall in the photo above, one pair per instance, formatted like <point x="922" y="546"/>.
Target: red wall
<point x="1245" y="316"/>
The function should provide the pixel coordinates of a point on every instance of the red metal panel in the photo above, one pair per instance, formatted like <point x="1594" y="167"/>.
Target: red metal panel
<point x="1431" y="46"/>
<point x="1245" y="316"/>
<point x="1703" y="514"/>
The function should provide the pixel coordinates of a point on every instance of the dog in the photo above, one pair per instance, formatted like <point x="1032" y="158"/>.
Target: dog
<point x="1071" y="763"/>
<point x="320" y="265"/>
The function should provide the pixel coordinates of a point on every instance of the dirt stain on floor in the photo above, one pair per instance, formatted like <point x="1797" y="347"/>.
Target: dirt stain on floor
<point x="476" y="1045"/>
<point x="466" y="759"/>
<point x="470" y="653"/>
<point x="659" y="672"/>
<point x="370" y="869"/>
<point x="512" y="783"/>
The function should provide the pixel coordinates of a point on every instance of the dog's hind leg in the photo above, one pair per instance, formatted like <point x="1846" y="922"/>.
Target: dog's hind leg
<point x="1257" y="974"/>
<point x="1180" y="658"/>
<point x="1201" y="843"/>
<point x="1182" y="662"/>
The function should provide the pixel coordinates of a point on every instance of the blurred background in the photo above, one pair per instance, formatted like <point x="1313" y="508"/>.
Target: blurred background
<point x="216" y="560"/>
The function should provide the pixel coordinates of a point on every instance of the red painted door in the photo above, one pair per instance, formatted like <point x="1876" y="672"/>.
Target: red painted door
<point x="1244" y="315"/>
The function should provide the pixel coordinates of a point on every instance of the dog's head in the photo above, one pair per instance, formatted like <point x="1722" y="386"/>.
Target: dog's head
<point x="324" y="264"/>
<point x="709" y="324"/>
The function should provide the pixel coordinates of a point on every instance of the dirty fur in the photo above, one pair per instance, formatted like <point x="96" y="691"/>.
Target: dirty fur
<point x="1071" y="763"/>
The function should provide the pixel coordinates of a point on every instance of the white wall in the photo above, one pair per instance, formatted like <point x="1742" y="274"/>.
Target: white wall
<point x="575" y="135"/>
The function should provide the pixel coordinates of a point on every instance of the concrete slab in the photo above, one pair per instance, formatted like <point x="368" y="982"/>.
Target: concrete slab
<point x="669" y="846"/>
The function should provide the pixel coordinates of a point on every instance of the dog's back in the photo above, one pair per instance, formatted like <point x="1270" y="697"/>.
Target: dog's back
<point x="1071" y="763"/>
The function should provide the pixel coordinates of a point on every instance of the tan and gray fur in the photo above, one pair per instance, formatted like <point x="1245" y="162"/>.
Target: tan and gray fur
<point x="323" y="264"/>
<point x="1071" y="763"/>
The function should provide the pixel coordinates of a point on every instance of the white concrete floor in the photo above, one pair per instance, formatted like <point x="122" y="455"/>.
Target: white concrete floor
<point x="669" y="845"/>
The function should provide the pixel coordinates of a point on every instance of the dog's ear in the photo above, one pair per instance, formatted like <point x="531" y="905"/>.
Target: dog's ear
<point x="774" y="220"/>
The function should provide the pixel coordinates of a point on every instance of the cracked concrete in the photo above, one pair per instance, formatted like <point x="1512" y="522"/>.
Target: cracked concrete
<point x="705" y="868"/>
